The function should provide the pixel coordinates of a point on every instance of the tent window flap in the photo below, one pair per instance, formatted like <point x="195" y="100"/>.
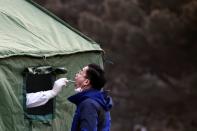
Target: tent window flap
<point x="40" y="79"/>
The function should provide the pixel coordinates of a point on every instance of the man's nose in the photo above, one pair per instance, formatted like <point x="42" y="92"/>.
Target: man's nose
<point x="76" y="74"/>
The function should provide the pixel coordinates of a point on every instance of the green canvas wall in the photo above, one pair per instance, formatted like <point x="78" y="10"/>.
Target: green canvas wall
<point x="30" y="36"/>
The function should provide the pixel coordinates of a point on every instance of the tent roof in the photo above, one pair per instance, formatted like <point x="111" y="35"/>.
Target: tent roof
<point x="27" y="30"/>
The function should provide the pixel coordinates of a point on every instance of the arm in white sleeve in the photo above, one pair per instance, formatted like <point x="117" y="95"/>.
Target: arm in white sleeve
<point x="38" y="98"/>
<point x="42" y="97"/>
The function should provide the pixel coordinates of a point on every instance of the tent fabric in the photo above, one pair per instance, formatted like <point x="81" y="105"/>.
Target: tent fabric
<point x="30" y="37"/>
<point x="27" y="30"/>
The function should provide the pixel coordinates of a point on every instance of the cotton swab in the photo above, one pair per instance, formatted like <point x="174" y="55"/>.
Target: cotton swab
<point x="71" y="81"/>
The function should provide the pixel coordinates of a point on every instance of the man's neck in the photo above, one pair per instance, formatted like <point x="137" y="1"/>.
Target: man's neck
<point x="86" y="88"/>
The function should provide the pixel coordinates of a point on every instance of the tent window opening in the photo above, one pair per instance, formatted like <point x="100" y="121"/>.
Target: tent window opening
<point x="38" y="79"/>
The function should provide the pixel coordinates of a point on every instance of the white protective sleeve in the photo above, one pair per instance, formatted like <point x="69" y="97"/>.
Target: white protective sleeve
<point x="38" y="98"/>
<point x="42" y="97"/>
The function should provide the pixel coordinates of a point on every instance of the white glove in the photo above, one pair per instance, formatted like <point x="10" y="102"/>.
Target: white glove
<point x="57" y="87"/>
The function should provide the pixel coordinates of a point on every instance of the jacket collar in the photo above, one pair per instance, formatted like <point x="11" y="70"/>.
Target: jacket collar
<point x="79" y="97"/>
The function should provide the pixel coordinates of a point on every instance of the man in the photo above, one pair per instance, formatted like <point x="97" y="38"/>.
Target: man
<point x="93" y="104"/>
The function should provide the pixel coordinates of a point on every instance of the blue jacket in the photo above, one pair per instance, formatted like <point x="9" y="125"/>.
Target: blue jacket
<point x="92" y="113"/>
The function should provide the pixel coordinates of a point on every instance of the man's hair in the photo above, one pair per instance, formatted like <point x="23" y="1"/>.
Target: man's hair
<point x="96" y="76"/>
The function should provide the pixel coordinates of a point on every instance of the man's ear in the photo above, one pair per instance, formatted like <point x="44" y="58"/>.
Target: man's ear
<point x="87" y="82"/>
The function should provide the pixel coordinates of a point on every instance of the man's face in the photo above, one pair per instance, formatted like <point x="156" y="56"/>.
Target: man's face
<point x="81" y="79"/>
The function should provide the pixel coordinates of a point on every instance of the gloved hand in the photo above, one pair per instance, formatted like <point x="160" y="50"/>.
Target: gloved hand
<point x="57" y="87"/>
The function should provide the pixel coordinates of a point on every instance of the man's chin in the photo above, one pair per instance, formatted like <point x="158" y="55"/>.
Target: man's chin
<point x="77" y="90"/>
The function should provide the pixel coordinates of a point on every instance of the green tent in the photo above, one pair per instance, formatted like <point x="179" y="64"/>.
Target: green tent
<point x="30" y="37"/>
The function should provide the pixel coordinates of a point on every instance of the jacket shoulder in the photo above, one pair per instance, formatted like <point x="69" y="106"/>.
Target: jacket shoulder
<point x="90" y="103"/>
